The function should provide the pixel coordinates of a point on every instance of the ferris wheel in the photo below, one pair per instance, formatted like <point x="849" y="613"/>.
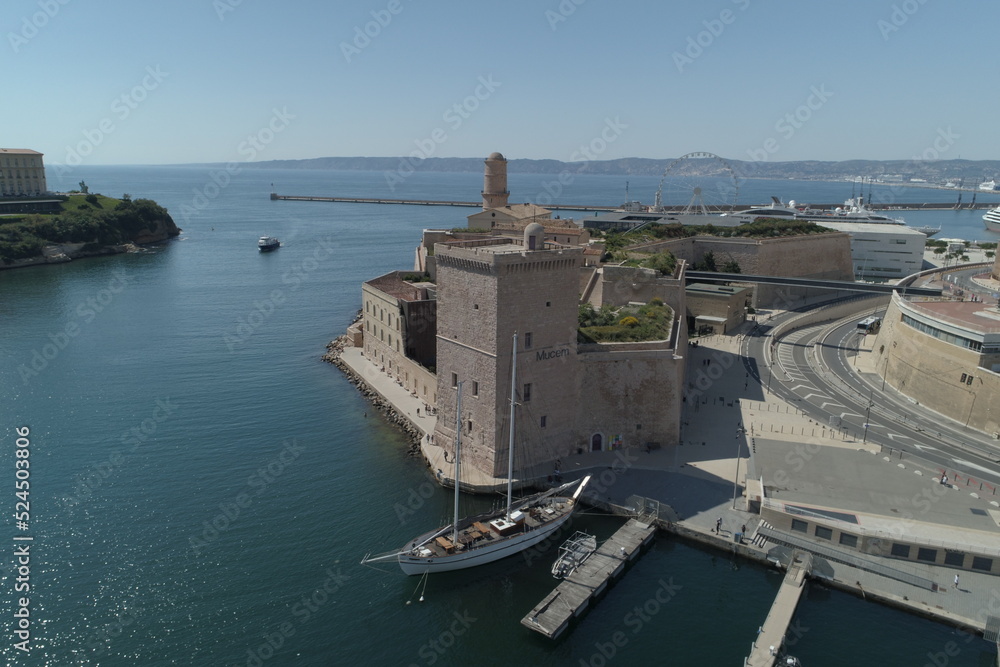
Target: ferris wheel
<point x="697" y="183"/>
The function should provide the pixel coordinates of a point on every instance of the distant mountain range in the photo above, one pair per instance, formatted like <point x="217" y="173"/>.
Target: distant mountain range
<point x="971" y="172"/>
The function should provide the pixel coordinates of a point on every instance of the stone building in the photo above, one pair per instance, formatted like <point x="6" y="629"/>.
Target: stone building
<point x="495" y="191"/>
<point x="717" y="308"/>
<point x="945" y="355"/>
<point x="22" y="173"/>
<point x="398" y="326"/>
<point x="571" y="397"/>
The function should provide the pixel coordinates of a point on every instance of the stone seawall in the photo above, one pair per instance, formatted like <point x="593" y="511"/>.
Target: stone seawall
<point x="333" y="351"/>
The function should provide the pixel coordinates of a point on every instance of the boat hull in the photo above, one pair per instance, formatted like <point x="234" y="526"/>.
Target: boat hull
<point x="413" y="565"/>
<point x="992" y="220"/>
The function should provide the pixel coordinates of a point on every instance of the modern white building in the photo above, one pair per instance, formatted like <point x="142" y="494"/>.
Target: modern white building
<point x="882" y="251"/>
<point x="22" y="173"/>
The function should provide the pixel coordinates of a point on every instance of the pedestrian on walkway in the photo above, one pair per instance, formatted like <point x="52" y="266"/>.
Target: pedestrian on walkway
<point x="956" y="581"/>
<point x="718" y="525"/>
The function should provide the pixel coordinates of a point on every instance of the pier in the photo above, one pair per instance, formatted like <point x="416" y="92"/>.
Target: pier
<point x="946" y="206"/>
<point x="771" y="636"/>
<point x="572" y="597"/>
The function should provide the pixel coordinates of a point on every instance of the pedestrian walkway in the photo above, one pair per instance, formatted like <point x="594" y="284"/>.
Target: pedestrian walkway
<point x="771" y="636"/>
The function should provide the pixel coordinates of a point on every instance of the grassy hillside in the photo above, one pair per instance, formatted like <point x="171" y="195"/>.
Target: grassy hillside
<point x="95" y="220"/>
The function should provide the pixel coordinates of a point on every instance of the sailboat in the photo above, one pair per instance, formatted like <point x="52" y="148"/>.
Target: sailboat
<point x="477" y="540"/>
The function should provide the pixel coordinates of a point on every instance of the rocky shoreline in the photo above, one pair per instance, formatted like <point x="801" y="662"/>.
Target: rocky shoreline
<point x="332" y="356"/>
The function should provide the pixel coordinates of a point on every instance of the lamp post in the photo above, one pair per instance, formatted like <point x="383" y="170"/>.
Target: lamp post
<point x="739" y="446"/>
<point x="868" y="413"/>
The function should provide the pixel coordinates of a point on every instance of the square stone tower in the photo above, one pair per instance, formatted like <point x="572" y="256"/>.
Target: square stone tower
<point x="488" y="289"/>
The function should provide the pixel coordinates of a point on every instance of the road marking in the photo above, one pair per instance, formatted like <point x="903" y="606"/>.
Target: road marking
<point x="808" y="396"/>
<point x="823" y="406"/>
<point x="853" y="414"/>
<point x="970" y="464"/>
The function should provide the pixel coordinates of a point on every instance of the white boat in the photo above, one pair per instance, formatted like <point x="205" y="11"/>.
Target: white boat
<point x="485" y="538"/>
<point x="992" y="219"/>
<point x="990" y="185"/>
<point x="573" y="553"/>
<point x="266" y="243"/>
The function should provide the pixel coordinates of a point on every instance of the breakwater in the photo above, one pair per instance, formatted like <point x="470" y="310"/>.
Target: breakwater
<point x="926" y="206"/>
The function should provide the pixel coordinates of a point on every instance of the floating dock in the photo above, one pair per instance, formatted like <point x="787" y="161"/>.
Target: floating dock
<point x="572" y="597"/>
<point x="771" y="635"/>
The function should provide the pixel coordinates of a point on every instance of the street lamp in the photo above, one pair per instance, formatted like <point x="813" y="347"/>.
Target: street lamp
<point x="868" y="413"/>
<point x="739" y="432"/>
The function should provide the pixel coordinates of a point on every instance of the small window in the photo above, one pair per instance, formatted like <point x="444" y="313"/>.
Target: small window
<point x="475" y="388"/>
<point x="823" y="532"/>
<point x="900" y="550"/>
<point x="954" y="558"/>
<point x="475" y="306"/>
<point x="527" y="341"/>
<point x="799" y="526"/>
<point x="929" y="555"/>
<point x="849" y="540"/>
<point x="548" y="304"/>
<point x="470" y="426"/>
<point x="454" y="380"/>
<point x="969" y="380"/>
<point x="526" y="395"/>
<point x="638" y="427"/>
<point x="980" y="563"/>
<point x="542" y="421"/>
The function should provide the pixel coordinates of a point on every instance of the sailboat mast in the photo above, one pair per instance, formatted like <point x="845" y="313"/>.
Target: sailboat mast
<point x="510" y="446"/>
<point x="458" y="442"/>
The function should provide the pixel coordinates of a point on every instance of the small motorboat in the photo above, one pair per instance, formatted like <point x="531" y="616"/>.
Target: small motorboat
<point x="573" y="553"/>
<point x="267" y="243"/>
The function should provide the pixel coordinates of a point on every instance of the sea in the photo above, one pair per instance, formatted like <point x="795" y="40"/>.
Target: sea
<point x="202" y="487"/>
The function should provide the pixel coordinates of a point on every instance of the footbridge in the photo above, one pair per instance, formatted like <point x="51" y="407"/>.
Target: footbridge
<point x="838" y="285"/>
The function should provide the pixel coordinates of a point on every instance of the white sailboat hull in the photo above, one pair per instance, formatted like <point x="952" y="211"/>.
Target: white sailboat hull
<point x="480" y="555"/>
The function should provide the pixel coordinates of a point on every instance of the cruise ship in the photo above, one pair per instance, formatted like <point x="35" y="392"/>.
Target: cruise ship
<point x="989" y="186"/>
<point x="992" y="219"/>
<point x="854" y="210"/>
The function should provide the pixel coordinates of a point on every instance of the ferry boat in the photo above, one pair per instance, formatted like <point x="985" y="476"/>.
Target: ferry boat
<point x="992" y="219"/>
<point x="989" y="186"/>
<point x="268" y="243"/>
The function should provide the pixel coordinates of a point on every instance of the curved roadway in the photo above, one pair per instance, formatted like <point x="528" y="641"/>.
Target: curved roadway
<point x="813" y="368"/>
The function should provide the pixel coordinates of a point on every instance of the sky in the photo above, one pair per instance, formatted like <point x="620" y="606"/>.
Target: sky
<point x="188" y="81"/>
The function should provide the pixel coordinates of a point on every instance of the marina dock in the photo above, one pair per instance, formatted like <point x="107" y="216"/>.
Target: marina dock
<point x="771" y="636"/>
<point x="572" y="597"/>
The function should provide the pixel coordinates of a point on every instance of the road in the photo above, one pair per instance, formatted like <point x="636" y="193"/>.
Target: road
<point x="812" y="369"/>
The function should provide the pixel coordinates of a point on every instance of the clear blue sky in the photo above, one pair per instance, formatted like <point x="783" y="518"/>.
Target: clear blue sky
<point x="191" y="80"/>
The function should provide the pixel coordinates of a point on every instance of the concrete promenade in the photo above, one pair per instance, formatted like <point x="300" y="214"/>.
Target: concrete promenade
<point x="700" y="483"/>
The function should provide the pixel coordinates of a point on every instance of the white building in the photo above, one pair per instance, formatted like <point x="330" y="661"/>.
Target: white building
<point x="882" y="251"/>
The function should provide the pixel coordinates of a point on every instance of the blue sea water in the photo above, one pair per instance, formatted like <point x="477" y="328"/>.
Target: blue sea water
<point x="203" y="486"/>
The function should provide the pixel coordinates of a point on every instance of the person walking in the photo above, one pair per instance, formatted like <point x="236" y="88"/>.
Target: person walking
<point x="956" y="581"/>
<point x="718" y="525"/>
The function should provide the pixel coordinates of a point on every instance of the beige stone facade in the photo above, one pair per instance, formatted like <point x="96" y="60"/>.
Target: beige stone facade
<point x="816" y="256"/>
<point x="397" y="327"/>
<point x="22" y="173"/>
<point x="717" y="308"/>
<point x="944" y="356"/>
<point x="570" y="397"/>
<point x="495" y="191"/>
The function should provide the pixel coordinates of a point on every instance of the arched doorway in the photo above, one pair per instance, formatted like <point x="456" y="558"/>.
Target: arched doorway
<point x="596" y="442"/>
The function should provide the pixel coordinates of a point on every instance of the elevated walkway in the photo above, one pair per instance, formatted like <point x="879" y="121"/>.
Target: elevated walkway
<point x="771" y="636"/>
